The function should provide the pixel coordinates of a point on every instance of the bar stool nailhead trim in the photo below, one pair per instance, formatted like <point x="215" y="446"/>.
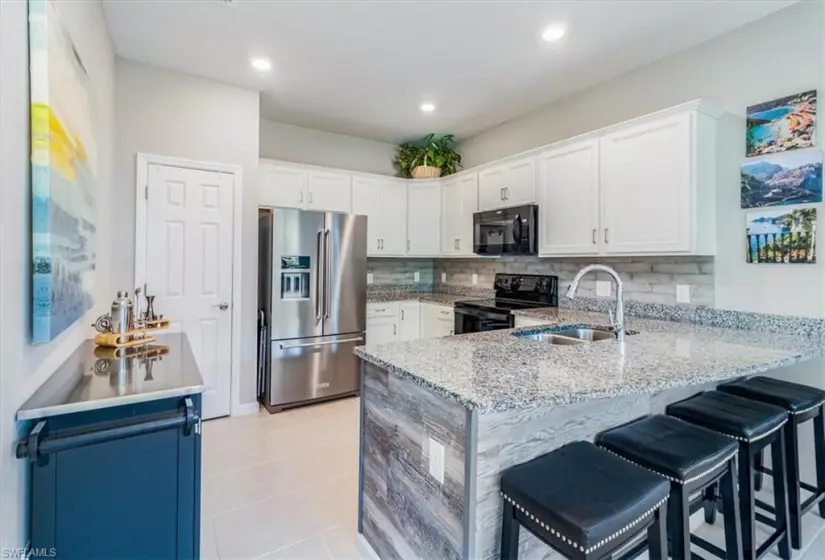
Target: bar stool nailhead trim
<point x="746" y="440"/>
<point x="676" y="480"/>
<point x="567" y="539"/>
<point x="804" y="411"/>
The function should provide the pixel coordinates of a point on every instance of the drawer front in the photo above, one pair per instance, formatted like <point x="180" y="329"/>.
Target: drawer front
<point x="384" y="309"/>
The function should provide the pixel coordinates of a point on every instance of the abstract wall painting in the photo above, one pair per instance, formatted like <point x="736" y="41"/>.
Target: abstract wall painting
<point x="783" y="124"/>
<point x="781" y="236"/>
<point x="64" y="176"/>
<point x="788" y="178"/>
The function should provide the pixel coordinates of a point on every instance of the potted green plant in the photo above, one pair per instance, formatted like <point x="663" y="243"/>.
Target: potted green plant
<point x="428" y="158"/>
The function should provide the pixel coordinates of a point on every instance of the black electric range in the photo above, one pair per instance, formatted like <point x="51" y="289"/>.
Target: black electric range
<point x="513" y="291"/>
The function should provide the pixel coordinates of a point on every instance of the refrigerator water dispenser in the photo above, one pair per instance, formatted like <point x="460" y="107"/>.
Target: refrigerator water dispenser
<point x="295" y="280"/>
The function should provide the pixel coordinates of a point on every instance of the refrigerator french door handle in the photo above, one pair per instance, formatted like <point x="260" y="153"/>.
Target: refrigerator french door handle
<point x="327" y="275"/>
<point x="318" y="273"/>
<point x="328" y="343"/>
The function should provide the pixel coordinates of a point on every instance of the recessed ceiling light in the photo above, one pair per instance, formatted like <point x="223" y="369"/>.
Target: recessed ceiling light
<point x="427" y="107"/>
<point x="262" y="64"/>
<point x="553" y="33"/>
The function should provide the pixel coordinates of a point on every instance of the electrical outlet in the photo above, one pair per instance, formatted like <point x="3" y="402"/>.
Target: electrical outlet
<point x="603" y="288"/>
<point x="437" y="461"/>
<point x="369" y="277"/>
<point x="682" y="293"/>
<point x="443" y="276"/>
<point x="416" y="277"/>
<point x="475" y="279"/>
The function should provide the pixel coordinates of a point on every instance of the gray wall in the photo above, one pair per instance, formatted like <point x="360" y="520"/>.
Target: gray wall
<point x="647" y="279"/>
<point x="781" y="54"/>
<point x="24" y="367"/>
<point x="305" y="145"/>
<point x="173" y="114"/>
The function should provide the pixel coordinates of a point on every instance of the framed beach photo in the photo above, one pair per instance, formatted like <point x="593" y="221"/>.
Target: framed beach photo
<point x="786" y="178"/>
<point x="781" y="236"/>
<point x="783" y="124"/>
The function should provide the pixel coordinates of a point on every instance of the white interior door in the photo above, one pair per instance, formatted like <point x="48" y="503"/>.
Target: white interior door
<point x="189" y="267"/>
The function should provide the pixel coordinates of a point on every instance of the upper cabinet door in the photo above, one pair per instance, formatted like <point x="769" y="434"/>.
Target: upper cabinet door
<point x="450" y="216"/>
<point x="366" y="201"/>
<point x="520" y="182"/>
<point x="423" y="218"/>
<point x="330" y="192"/>
<point x="569" y="199"/>
<point x="468" y="187"/>
<point x="646" y="184"/>
<point x="282" y="186"/>
<point x="491" y="188"/>
<point x="394" y="219"/>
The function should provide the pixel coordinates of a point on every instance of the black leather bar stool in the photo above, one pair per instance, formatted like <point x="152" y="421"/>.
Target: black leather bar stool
<point x="803" y="404"/>
<point x="692" y="458"/>
<point x="584" y="503"/>
<point x="756" y="426"/>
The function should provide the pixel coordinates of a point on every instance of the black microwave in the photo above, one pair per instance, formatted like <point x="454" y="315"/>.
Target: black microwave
<point x="507" y="231"/>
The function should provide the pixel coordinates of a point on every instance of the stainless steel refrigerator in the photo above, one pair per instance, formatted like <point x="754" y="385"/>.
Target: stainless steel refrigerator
<point x="312" y="290"/>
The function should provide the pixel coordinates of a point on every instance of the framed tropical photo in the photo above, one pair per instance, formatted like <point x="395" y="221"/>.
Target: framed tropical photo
<point x="781" y="236"/>
<point x="787" y="178"/>
<point x="783" y="124"/>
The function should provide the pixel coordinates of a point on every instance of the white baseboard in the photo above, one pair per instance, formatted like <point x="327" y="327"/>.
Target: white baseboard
<point x="245" y="409"/>
<point x="364" y="549"/>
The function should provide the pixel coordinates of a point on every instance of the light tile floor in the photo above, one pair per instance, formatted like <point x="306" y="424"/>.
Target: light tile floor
<point x="281" y="486"/>
<point x="284" y="486"/>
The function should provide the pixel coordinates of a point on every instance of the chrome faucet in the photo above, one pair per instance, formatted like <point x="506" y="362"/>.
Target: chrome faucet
<point x="618" y="319"/>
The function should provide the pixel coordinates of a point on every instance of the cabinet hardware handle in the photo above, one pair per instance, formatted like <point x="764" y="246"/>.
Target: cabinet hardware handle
<point x="310" y="197"/>
<point x="393" y="330"/>
<point x="605" y="236"/>
<point x="506" y="193"/>
<point x="302" y="196"/>
<point x="451" y="332"/>
<point x="501" y="193"/>
<point x="402" y="314"/>
<point x="594" y="236"/>
<point x="408" y="244"/>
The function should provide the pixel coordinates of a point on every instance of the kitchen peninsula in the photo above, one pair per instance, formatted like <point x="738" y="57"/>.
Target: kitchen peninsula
<point x="442" y="418"/>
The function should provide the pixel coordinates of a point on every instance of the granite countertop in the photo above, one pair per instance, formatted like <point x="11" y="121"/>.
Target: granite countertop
<point x="495" y="371"/>
<point x="426" y="297"/>
<point x="91" y="378"/>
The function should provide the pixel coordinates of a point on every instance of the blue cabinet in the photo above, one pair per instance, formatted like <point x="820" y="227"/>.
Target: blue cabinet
<point x="121" y="482"/>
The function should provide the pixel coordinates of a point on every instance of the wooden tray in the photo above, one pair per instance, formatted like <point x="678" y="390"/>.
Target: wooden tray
<point x="129" y="339"/>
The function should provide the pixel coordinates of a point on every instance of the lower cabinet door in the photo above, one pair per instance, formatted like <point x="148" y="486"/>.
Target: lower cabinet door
<point x="409" y="324"/>
<point x="381" y="330"/>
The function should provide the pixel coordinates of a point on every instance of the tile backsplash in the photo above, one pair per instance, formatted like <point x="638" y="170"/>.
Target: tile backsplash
<point x="646" y="279"/>
<point x="392" y="271"/>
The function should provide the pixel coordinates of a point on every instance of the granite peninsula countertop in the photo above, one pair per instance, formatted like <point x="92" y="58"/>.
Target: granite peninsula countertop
<point x="92" y="378"/>
<point x="426" y="297"/>
<point x="495" y="371"/>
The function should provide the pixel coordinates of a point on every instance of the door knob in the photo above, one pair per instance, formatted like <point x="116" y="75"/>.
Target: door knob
<point x="223" y="306"/>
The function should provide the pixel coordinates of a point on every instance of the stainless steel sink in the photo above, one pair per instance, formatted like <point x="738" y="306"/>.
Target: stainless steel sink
<point x="588" y="335"/>
<point x="551" y="338"/>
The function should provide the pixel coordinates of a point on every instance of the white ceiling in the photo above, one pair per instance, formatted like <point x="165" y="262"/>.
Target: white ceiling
<point x="363" y="68"/>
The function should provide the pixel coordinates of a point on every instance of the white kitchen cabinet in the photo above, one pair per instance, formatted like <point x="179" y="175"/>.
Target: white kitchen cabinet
<point x="424" y="218"/>
<point x="282" y="186"/>
<point x="568" y="197"/>
<point x="329" y="192"/>
<point x="382" y="330"/>
<point x="437" y="320"/>
<point x="459" y="202"/>
<point x="394" y="219"/>
<point x="409" y="323"/>
<point x="384" y="202"/>
<point x="285" y="186"/>
<point x="512" y="183"/>
<point x="646" y="184"/>
<point x="382" y="322"/>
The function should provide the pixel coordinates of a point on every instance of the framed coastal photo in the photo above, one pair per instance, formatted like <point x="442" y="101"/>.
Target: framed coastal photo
<point x="787" y="178"/>
<point x="783" y="124"/>
<point x="63" y="176"/>
<point x="781" y="236"/>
